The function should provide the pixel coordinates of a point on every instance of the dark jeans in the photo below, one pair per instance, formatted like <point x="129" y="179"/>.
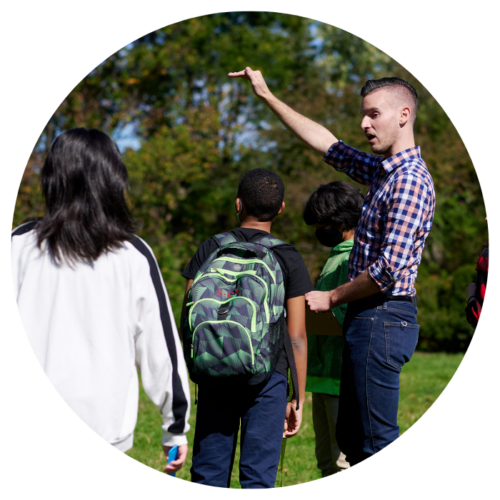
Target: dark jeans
<point x="380" y="337"/>
<point x="261" y="411"/>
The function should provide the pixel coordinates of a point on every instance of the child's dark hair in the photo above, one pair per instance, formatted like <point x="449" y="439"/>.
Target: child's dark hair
<point x="261" y="192"/>
<point x="84" y="181"/>
<point x="338" y="203"/>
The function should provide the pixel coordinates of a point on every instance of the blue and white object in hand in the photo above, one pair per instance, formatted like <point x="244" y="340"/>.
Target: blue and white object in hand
<point x="172" y="455"/>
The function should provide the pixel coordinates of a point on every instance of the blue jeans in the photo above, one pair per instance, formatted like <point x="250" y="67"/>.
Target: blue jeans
<point x="380" y="337"/>
<point x="261" y="410"/>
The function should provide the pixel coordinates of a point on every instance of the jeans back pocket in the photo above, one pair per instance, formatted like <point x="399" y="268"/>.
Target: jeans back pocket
<point x="400" y="342"/>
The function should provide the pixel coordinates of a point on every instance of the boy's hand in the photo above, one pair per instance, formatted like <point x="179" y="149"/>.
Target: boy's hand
<point x="177" y="464"/>
<point x="256" y="79"/>
<point x="293" y="419"/>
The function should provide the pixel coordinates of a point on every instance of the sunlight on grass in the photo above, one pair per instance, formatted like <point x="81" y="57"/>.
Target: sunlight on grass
<point x="422" y="381"/>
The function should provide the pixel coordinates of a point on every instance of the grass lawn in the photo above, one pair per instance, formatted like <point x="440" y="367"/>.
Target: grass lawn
<point x="422" y="381"/>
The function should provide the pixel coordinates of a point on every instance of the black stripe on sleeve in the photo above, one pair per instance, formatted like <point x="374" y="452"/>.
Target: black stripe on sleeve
<point x="179" y="402"/>
<point x="24" y="228"/>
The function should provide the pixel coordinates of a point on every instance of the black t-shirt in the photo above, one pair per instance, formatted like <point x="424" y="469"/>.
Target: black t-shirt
<point x="295" y="276"/>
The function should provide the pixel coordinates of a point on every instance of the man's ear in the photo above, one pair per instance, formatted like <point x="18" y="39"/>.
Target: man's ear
<point x="404" y="116"/>
<point x="282" y="208"/>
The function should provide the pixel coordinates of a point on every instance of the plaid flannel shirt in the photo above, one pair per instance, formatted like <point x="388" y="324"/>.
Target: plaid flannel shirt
<point x="397" y="214"/>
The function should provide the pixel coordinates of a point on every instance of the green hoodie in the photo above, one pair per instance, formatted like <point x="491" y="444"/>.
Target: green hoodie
<point x="324" y="353"/>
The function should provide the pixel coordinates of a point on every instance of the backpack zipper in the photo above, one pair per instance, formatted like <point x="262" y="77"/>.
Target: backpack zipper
<point x="201" y="276"/>
<point x="249" y="261"/>
<point x="253" y="326"/>
<point x="238" y="274"/>
<point x="246" y="261"/>
<point x="251" y="273"/>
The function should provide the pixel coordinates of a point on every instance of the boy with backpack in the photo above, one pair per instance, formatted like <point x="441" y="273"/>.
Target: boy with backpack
<point x="243" y="324"/>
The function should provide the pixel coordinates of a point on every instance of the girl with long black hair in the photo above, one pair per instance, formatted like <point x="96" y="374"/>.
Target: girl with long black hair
<point x="92" y="299"/>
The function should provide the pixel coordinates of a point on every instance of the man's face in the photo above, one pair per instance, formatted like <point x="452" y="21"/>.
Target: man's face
<point x="380" y="121"/>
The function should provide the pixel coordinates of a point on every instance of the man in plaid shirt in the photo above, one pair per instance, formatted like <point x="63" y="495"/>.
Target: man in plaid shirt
<point x="380" y="328"/>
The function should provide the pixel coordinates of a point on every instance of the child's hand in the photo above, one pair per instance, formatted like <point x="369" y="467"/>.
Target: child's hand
<point x="176" y="464"/>
<point x="293" y="419"/>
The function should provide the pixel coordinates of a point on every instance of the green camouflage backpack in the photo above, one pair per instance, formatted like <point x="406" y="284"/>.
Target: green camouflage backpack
<point x="234" y="325"/>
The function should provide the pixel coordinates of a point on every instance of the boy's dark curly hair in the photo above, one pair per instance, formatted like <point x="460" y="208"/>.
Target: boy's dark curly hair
<point x="261" y="192"/>
<point x="338" y="203"/>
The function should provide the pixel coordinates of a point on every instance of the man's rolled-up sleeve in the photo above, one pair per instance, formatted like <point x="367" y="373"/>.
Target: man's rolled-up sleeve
<point x="407" y="204"/>
<point x="381" y="272"/>
<point x="359" y="166"/>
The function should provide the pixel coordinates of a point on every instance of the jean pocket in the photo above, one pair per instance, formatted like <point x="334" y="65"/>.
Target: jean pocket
<point x="400" y="342"/>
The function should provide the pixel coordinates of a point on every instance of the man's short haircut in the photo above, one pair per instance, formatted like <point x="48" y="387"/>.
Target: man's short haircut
<point x="404" y="91"/>
<point x="261" y="192"/>
<point x="338" y="203"/>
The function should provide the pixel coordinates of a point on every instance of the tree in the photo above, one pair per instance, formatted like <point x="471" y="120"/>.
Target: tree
<point x="199" y="131"/>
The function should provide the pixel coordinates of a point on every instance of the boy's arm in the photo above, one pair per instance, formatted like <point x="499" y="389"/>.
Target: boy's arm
<point x="296" y="322"/>
<point x="183" y="311"/>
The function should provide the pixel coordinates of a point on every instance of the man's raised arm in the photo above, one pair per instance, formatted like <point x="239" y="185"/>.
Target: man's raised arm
<point x="313" y="134"/>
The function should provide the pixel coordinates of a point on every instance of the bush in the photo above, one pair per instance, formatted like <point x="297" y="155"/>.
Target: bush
<point x="441" y="303"/>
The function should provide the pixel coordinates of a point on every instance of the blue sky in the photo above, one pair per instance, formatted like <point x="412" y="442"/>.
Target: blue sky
<point x="126" y="138"/>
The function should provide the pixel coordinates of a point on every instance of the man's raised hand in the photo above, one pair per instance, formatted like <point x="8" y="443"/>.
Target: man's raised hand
<point x="256" y="79"/>
<point x="313" y="134"/>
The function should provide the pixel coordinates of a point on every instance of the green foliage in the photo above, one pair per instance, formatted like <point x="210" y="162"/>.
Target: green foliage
<point x="199" y="132"/>
<point x="29" y="202"/>
<point x="442" y="297"/>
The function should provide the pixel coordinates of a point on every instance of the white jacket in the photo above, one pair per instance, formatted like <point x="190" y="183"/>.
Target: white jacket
<point x="91" y="325"/>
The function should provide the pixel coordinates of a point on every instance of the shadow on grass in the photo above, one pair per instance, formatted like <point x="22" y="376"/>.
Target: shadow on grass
<point x="423" y="379"/>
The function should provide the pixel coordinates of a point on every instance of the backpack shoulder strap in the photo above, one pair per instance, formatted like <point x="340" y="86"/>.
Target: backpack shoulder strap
<point x="224" y="238"/>
<point x="269" y="241"/>
<point x="291" y="363"/>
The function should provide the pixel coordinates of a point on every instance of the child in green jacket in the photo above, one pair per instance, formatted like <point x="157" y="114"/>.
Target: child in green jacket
<point x="334" y="209"/>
